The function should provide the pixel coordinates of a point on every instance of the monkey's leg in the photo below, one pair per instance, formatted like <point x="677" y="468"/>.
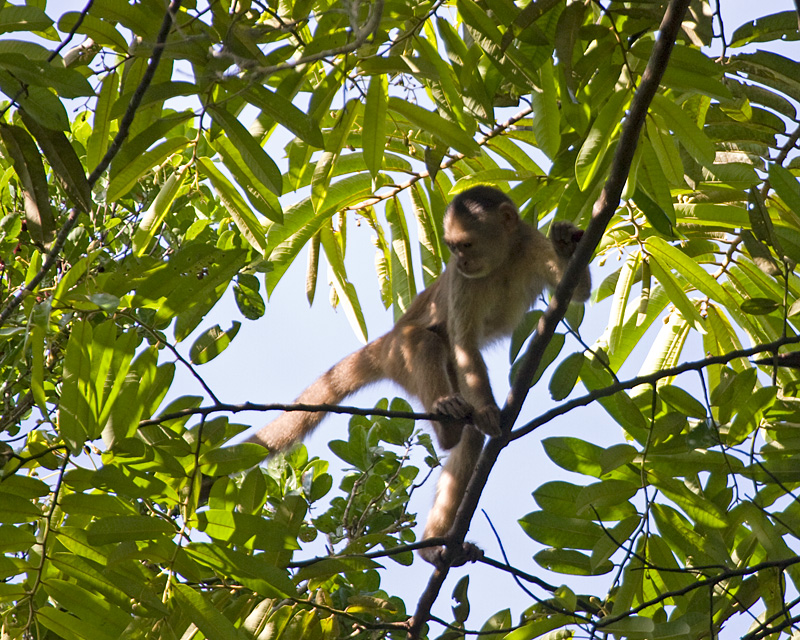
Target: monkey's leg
<point x="450" y="490"/>
<point x="419" y="360"/>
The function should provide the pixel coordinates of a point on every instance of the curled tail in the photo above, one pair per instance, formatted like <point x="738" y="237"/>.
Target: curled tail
<point x="344" y="378"/>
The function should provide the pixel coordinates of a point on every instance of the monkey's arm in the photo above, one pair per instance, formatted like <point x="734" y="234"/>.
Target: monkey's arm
<point x="473" y="382"/>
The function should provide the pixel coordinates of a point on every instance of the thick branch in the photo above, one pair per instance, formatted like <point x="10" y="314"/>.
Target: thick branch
<point x="602" y="213"/>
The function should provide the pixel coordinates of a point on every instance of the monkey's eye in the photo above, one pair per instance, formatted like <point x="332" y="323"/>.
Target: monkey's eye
<point x="466" y="245"/>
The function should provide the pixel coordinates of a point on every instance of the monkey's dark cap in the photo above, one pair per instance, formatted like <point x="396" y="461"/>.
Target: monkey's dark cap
<point x="479" y="199"/>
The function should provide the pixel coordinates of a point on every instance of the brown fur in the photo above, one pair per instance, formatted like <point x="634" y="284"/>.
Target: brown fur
<point x="498" y="267"/>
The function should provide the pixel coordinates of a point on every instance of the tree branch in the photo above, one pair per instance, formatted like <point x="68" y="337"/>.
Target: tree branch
<point x="602" y="213"/>
<point x="311" y="408"/>
<point x="650" y="378"/>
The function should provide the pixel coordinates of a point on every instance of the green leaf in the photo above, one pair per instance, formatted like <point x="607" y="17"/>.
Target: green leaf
<point x="232" y="459"/>
<point x="24" y="18"/>
<point x="619" y="303"/>
<point x="87" y="605"/>
<point x="570" y="562"/>
<point x="247" y="223"/>
<point x="15" y="539"/>
<point x="404" y="288"/>
<point x="777" y="26"/>
<point x="593" y="498"/>
<point x="68" y="83"/>
<point x="324" y="171"/>
<point x="264" y="201"/>
<point x="103" y="33"/>
<point x="651" y="179"/>
<point x="277" y="107"/>
<point x="212" y="342"/>
<point x="149" y="161"/>
<point x="633" y="626"/>
<point x="448" y="132"/>
<point x="29" y="169"/>
<point x="154" y="217"/>
<point x="69" y="627"/>
<point x="112" y="529"/>
<point x="559" y="531"/>
<point x="682" y="401"/>
<point x="759" y="306"/>
<point x="14" y="509"/>
<point x="344" y="288"/>
<point x="547" y="121"/>
<point x="374" y="137"/>
<point x="75" y="416"/>
<point x="98" y="141"/>
<point x="786" y="186"/>
<point x="253" y="571"/>
<point x="598" y="141"/>
<point x="565" y="376"/>
<point x="583" y="457"/>
<point x="692" y="137"/>
<point x="204" y="614"/>
<point x="677" y="295"/>
<point x="257" y="160"/>
<point x="64" y="161"/>
<point x="247" y="296"/>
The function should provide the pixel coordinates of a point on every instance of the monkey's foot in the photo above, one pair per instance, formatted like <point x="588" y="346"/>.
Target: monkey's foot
<point x="454" y="407"/>
<point x="487" y="420"/>
<point x="451" y="556"/>
<point x="565" y="237"/>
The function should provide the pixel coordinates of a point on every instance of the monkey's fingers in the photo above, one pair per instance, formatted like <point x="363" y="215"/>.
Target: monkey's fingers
<point x="452" y="556"/>
<point x="565" y="236"/>
<point x="487" y="420"/>
<point x="454" y="407"/>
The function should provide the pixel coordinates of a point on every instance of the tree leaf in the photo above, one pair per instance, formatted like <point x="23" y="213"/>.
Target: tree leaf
<point x="113" y="529"/>
<point x="29" y="169"/>
<point x="247" y="223"/>
<point x="205" y="615"/>
<point x="212" y="342"/>
<point x="154" y="217"/>
<point x="599" y="139"/>
<point x="97" y="144"/>
<point x="697" y="143"/>
<point x="344" y="288"/>
<point x="374" y="137"/>
<point x="129" y="175"/>
<point x="256" y="159"/>
<point x="64" y="161"/>
<point x="448" y="132"/>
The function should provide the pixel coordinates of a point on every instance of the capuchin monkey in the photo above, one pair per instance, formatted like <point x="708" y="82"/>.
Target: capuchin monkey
<point x="498" y="267"/>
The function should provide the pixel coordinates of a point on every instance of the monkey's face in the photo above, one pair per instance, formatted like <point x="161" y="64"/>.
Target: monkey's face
<point x="476" y="249"/>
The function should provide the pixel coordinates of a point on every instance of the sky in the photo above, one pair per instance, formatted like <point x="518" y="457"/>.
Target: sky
<point x="276" y="357"/>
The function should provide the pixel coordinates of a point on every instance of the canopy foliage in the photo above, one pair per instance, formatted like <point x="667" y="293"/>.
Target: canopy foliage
<point x="153" y="158"/>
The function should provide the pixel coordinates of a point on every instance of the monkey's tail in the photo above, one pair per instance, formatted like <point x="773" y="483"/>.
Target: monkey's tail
<point x="347" y="376"/>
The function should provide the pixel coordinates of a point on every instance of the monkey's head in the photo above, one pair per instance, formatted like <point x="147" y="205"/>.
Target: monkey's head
<point x="479" y="226"/>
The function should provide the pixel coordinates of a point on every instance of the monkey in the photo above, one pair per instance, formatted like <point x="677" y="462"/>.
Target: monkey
<point x="497" y="268"/>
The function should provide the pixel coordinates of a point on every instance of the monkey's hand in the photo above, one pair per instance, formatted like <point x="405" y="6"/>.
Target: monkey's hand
<point x="487" y="420"/>
<point x="451" y="556"/>
<point x="454" y="407"/>
<point x="565" y="237"/>
<point x="457" y="410"/>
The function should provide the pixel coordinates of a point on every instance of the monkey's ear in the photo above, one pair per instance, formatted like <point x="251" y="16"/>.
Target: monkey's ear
<point x="508" y="213"/>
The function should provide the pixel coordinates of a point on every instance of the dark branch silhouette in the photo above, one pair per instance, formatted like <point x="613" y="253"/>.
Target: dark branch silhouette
<point x="602" y="213"/>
